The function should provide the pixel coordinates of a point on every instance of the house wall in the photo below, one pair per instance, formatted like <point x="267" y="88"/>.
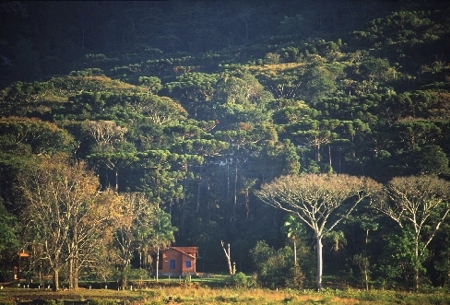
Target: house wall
<point x="167" y="257"/>
<point x="179" y="265"/>
<point x="185" y="268"/>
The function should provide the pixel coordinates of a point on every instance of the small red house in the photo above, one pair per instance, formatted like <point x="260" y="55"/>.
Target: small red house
<point x="176" y="260"/>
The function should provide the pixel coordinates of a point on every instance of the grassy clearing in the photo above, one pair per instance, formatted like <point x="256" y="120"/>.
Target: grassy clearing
<point x="217" y="289"/>
<point x="196" y="293"/>
<point x="184" y="294"/>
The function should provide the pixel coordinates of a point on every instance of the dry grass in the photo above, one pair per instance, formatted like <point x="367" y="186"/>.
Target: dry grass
<point x="80" y="294"/>
<point x="192" y="293"/>
<point x="198" y="293"/>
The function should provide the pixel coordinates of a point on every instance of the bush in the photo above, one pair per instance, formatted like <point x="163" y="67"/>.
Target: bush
<point x="240" y="279"/>
<point x="276" y="268"/>
<point x="296" y="278"/>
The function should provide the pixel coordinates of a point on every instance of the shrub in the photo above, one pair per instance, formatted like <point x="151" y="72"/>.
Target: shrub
<point x="240" y="279"/>
<point x="276" y="268"/>
<point x="296" y="278"/>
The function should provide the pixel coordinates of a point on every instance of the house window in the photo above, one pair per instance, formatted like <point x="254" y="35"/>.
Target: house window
<point x="188" y="264"/>
<point x="172" y="264"/>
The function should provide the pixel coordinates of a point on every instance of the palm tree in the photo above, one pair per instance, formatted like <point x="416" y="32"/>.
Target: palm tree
<point x="338" y="239"/>
<point x="162" y="235"/>
<point x="294" y="230"/>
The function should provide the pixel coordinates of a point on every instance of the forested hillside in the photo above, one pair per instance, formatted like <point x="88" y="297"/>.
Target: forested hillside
<point x="132" y="125"/>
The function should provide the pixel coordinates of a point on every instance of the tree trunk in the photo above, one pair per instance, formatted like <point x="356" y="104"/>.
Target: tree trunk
<point x="123" y="282"/>
<point x="55" y="279"/>
<point x="235" y="192"/>
<point x="295" y="253"/>
<point x="75" y="277"/>
<point x="247" y="200"/>
<point x="117" y="180"/>
<point x="71" y="274"/>
<point x="75" y="262"/>
<point x="228" y="180"/>
<point x="157" y="264"/>
<point x="318" y="153"/>
<point x="199" y="189"/>
<point x="231" y="270"/>
<point x="329" y="157"/>
<point x="366" y="273"/>
<point x="416" y="266"/>
<point x="319" y="262"/>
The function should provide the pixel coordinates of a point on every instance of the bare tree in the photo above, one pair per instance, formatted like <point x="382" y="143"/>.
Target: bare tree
<point x="316" y="199"/>
<point x="420" y="203"/>
<point x="246" y="15"/>
<point x="108" y="135"/>
<point x="92" y="222"/>
<point x="133" y="231"/>
<point x="231" y="267"/>
<point x="64" y="213"/>
<point x="105" y="133"/>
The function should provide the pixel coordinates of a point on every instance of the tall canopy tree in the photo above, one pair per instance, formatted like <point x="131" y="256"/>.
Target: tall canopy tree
<point x="321" y="201"/>
<point x="420" y="204"/>
<point x="41" y="137"/>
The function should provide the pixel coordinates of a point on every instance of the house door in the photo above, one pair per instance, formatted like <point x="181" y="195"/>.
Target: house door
<point x="172" y="264"/>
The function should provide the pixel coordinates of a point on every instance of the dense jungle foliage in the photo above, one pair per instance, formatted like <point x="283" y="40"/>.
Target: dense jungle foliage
<point x="156" y="123"/>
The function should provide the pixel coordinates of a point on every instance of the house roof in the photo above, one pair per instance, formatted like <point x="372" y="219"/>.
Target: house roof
<point x="183" y="250"/>
<point x="186" y="250"/>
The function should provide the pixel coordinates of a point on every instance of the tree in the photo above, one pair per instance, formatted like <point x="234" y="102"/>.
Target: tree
<point x="275" y="268"/>
<point x="241" y="98"/>
<point x="321" y="201"/>
<point x="195" y="91"/>
<point x="397" y="260"/>
<point x="133" y="230"/>
<point x="160" y="110"/>
<point x="363" y="263"/>
<point x="231" y="268"/>
<point x="338" y="239"/>
<point x="162" y="233"/>
<point x="64" y="213"/>
<point x="9" y="241"/>
<point x="152" y="83"/>
<point x="362" y="260"/>
<point x="112" y="150"/>
<point x="160" y="181"/>
<point x="92" y="225"/>
<point x="432" y="160"/>
<point x="243" y="146"/>
<point x="420" y="204"/>
<point x="320" y="78"/>
<point x="41" y="137"/>
<point x="315" y="133"/>
<point x="294" y="230"/>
